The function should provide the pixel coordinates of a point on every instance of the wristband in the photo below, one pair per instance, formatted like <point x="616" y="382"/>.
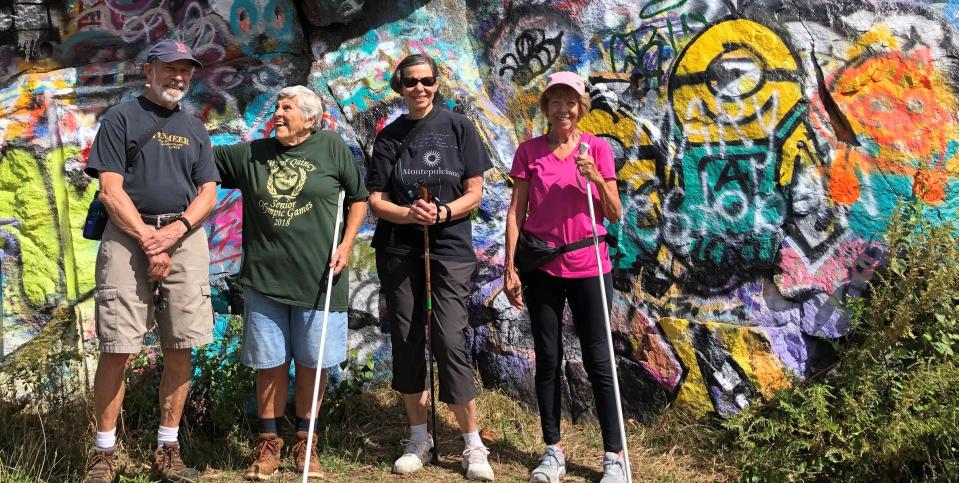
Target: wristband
<point x="186" y="222"/>
<point x="437" y="212"/>
<point x="449" y="213"/>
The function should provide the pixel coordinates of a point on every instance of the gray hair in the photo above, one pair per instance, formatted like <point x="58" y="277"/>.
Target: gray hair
<point x="308" y="102"/>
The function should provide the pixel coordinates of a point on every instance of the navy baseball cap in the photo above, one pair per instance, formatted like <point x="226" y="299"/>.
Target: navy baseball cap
<point x="170" y="51"/>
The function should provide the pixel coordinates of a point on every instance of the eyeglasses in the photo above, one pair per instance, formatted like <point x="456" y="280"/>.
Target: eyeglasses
<point x="411" y="82"/>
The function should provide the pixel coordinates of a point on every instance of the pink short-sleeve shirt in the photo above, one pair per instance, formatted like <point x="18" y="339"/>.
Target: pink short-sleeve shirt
<point x="558" y="211"/>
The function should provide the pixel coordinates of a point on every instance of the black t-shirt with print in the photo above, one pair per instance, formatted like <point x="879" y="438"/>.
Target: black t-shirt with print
<point x="446" y="151"/>
<point x="166" y="173"/>
<point x="289" y="209"/>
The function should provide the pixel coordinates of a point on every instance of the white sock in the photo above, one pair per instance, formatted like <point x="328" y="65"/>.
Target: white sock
<point x="472" y="440"/>
<point x="106" y="439"/>
<point x="419" y="433"/>
<point x="167" y="435"/>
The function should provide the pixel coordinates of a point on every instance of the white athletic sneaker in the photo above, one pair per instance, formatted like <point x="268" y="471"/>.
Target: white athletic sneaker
<point x="614" y="469"/>
<point x="476" y="464"/>
<point x="552" y="466"/>
<point x="415" y="455"/>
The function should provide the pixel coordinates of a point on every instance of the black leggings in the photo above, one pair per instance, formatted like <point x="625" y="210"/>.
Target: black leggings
<point x="545" y="297"/>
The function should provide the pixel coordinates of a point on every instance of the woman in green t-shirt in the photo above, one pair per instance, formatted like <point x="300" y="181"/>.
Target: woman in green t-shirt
<point x="290" y="185"/>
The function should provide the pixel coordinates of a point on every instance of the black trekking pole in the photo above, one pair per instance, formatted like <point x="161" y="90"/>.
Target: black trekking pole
<point x="425" y="196"/>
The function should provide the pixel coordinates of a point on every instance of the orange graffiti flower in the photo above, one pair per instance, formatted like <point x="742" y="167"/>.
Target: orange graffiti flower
<point x="902" y="108"/>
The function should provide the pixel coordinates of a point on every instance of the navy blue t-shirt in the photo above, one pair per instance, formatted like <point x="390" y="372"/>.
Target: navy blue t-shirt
<point x="171" y="166"/>
<point x="446" y="151"/>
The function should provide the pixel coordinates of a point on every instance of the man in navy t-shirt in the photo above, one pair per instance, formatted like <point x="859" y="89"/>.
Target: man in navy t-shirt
<point x="157" y="182"/>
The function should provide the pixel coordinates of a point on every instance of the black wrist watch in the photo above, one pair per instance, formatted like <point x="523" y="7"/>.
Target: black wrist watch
<point x="449" y="213"/>
<point x="186" y="222"/>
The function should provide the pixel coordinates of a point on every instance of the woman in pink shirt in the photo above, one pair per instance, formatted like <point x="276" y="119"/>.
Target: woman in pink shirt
<point x="549" y="202"/>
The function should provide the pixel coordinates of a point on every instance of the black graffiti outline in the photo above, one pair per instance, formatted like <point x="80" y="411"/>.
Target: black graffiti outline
<point x="531" y="45"/>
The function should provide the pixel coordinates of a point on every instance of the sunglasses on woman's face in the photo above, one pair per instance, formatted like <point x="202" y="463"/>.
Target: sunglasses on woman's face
<point x="411" y="82"/>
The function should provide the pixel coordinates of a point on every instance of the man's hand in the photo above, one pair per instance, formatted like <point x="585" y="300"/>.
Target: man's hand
<point x="341" y="258"/>
<point x="159" y="241"/>
<point x="160" y="265"/>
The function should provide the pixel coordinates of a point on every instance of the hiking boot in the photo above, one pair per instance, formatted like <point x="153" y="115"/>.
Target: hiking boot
<point x="266" y="457"/>
<point x="614" y="469"/>
<point x="552" y="466"/>
<point x="169" y="467"/>
<point x="415" y="455"/>
<point x="102" y="466"/>
<point x="299" y="455"/>
<point x="476" y="464"/>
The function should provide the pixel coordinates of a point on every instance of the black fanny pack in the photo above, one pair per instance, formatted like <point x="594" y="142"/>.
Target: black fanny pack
<point x="532" y="252"/>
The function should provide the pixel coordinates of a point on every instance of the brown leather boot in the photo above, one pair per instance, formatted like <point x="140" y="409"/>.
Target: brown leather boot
<point x="266" y="457"/>
<point x="102" y="466"/>
<point x="299" y="456"/>
<point x="169" y="467"/>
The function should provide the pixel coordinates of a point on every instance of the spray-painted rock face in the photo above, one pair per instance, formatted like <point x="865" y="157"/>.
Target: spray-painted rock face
<point x="735" y="96"/>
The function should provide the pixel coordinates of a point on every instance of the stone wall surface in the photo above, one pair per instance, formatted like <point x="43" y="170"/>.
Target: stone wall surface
<point x="761" y="148"/>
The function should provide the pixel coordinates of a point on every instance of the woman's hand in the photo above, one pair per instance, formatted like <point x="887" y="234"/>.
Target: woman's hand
<point x="513" y="287"/>
<point x="423" y="213"/>
<point x="587" y="167"/>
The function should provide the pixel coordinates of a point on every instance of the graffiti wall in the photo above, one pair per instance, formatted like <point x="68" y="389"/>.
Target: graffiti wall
<point x="761" y="148"/>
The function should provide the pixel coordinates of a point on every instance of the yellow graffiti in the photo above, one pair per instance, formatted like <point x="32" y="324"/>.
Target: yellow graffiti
<point x="747" y="100"/>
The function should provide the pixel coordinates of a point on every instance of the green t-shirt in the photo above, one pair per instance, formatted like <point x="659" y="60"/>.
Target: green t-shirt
<point x="289" y="208"/>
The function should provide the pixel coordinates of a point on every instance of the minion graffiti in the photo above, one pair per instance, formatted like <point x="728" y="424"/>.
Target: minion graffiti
<point x="739" y="134"/>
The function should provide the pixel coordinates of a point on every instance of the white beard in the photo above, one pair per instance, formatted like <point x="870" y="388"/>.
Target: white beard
<point x="170" y="95"/>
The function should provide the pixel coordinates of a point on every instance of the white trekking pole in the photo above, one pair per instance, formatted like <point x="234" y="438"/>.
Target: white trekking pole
<point x="326" y="318"/>
<point x="583" y="147"/>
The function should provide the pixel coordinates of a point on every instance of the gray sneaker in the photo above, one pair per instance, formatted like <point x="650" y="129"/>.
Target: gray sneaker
<point x="614" y="469"/>
<point x="415" y="455"/>
<point x="552" y="466"/>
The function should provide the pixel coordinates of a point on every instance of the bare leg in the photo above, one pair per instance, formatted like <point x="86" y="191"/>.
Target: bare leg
<point x="108" y="389"/>
<point x="174" y="385"/>
<point x="416" y="407"/>
<point x="303" y="390"/>
<point x="272" y="386"/>
<point x="466" y="416"/>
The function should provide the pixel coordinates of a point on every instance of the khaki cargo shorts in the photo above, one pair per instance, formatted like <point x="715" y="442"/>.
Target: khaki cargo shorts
<point x="125" y="296"/>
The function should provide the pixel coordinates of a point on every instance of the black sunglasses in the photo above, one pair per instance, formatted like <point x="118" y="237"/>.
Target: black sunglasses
<point x="426" y="81"/>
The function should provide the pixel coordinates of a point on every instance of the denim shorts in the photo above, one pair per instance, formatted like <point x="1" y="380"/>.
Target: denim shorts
<point x="275" y="333"/>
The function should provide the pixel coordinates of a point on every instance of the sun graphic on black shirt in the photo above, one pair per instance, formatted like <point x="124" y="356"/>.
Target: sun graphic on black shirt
<point x="432" y="158"/>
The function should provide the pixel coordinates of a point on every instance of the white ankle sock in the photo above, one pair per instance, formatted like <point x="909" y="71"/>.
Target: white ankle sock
<point x="167" y="435"/>
<point x="472" y="440"/>
<point x="419" y="433"/>
<point x="106" y="439"/>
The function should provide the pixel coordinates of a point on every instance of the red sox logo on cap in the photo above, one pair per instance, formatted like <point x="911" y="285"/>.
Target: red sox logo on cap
<point x="182" y="47"/>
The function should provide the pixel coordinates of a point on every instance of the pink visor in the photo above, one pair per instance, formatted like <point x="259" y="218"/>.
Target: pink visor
<point x="566" y="78"/>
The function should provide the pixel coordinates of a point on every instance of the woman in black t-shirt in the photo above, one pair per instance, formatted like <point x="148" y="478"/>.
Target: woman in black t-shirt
<point x="442" y="150"/>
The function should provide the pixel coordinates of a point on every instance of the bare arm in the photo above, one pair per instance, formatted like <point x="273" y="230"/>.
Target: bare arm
<point x="341" y="256"/>
<point x="122" y="211"/>
<point x="383" y="207"/>
<point x="515" y="218"/>
<point x="161" y="240"/>
<point x="609" y="198"/>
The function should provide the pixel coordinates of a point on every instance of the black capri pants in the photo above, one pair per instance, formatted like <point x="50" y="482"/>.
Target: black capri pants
<point x="403" y="284"/>
<point x="545" y="297"/>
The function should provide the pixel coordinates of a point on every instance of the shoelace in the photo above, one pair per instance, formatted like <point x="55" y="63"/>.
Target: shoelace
<point x="170" y="458"/>
<point x="272" y="445"/>
<point x="469" y="452"/>
<point x="410" y="446"/>
<point x="95" y="464"/>
<point x="613" y="467"/>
